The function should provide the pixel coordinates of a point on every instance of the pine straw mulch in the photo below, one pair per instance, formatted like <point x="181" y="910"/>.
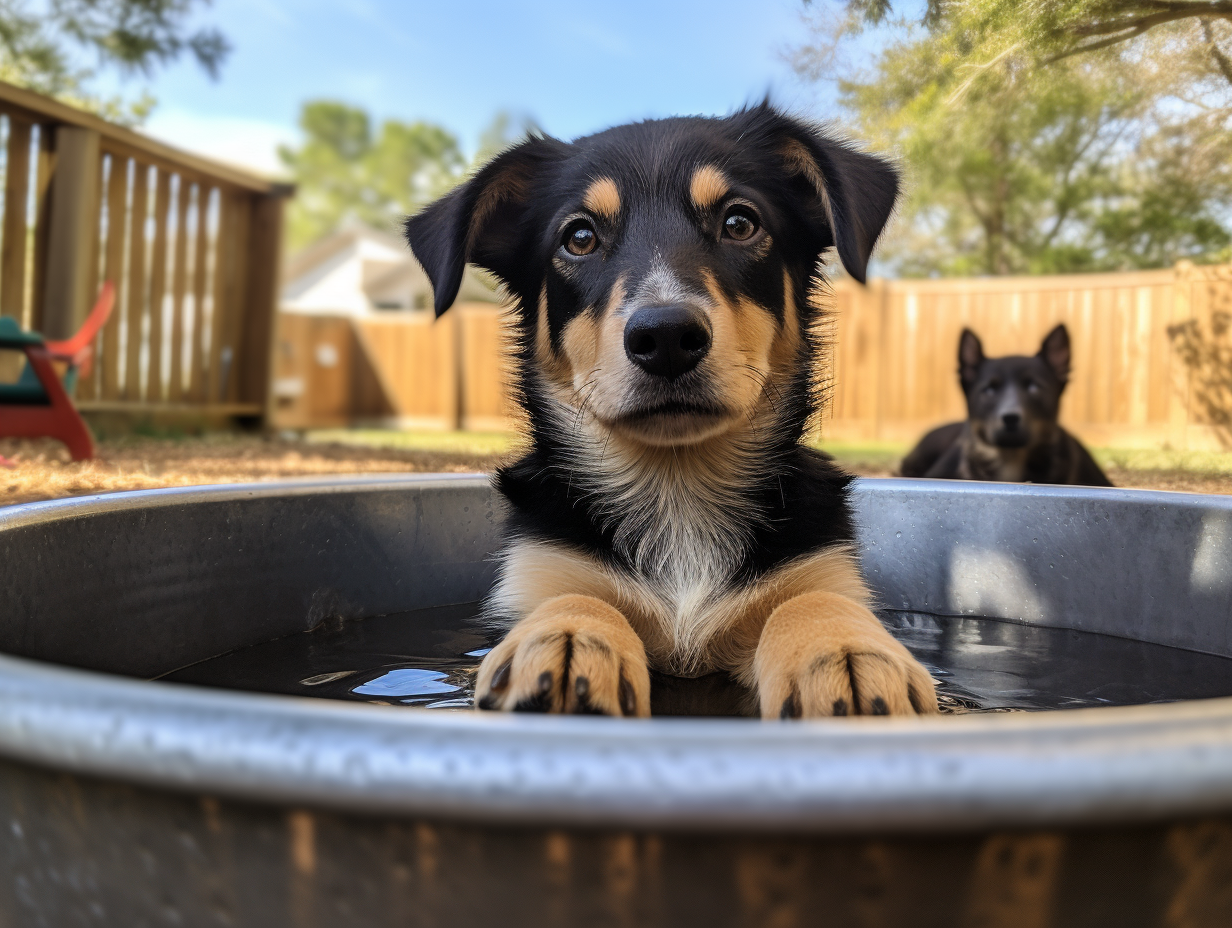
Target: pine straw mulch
<point x="38" y="470"/>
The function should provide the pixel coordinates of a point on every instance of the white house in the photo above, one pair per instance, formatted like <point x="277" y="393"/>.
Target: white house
<point x="359" y="271"/>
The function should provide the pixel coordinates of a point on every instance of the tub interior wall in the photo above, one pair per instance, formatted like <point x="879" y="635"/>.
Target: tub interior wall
<point x="142" y="590"/>
<point x="141" y="584"/>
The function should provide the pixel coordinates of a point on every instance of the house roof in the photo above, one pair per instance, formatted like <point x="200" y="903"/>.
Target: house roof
<point x="396" y="276"/>
<point x="340" y="239"/>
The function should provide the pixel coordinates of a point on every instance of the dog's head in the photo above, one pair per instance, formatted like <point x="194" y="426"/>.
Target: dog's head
<point x="662" y="271"/>
<point x="1013" y="402"/>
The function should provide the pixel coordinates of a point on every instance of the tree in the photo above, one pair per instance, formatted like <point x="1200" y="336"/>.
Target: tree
<point x="1061" y="28"/>
<point x="345" y="170"/>
<point x="40" y="44"/>
<point x="1112" y="159"/>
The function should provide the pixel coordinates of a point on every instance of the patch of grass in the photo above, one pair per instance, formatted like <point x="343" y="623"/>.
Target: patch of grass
<point x="476" y="443"/>
<point x="1164" y="459"/>
<point x="877" y="457"/>
<point x="866" y="457"/>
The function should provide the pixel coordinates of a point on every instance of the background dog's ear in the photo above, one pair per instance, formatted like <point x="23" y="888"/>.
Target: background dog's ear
<point x="855" y="191"/>
<point x="480" y="221"/>
<point x="970" y="357"/>
<point x="1055" y="352"/>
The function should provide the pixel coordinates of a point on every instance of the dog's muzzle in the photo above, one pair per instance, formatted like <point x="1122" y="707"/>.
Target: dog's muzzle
<point x="1012" y="432"/>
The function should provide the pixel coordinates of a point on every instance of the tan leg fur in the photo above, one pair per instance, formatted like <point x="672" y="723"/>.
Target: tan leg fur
<point x="821" y="654"/>
<point x="573" y="654"/>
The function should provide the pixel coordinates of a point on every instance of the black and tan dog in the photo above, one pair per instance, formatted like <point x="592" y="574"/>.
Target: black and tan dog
<point x="665" y="281"/>
<point x="1011" y="432"/>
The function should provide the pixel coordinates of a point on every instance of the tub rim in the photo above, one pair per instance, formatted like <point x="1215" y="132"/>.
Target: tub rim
<point x="1075" y="766"/>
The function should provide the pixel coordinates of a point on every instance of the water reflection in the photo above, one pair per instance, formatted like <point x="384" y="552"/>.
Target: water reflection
<point x="430" y="657"/>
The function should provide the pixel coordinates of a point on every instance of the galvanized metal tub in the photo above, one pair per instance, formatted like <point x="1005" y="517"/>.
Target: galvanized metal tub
<point x="129" y="802"/>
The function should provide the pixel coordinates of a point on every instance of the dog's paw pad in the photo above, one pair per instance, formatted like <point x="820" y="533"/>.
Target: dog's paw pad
<point x="845" y="664"/>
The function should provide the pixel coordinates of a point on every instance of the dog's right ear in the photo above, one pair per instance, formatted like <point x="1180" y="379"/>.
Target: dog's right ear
<point x="970" y="357"/>
<point x="480" y="222"/>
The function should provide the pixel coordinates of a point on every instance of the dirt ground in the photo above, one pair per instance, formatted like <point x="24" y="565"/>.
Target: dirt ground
<point x="37" y="470"/>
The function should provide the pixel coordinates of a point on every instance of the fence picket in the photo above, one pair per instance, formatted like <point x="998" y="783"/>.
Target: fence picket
<point x="158" y="287"/>
<point x="113" y="270"/>
<point x="134" y="335"/>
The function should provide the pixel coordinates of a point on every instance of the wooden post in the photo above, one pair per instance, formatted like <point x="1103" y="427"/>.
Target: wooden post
<point x="260" y="298"/>
<point x="16" y="190"/>
<point x="73" y="229"/>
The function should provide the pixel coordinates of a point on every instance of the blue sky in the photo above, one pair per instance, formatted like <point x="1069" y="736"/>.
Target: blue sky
<point x="574" y="67"/>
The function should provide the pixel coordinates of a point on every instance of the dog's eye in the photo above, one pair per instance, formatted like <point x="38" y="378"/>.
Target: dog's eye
<point x="1032" y="387"/>
<point x="580" y="238"/>
<point x="992" y="388"/>
<point x="740" y="224"/>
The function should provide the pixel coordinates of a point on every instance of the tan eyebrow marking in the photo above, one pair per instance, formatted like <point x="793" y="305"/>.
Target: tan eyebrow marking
<point x="602" y="197"/>
<point x="708" y="186"/>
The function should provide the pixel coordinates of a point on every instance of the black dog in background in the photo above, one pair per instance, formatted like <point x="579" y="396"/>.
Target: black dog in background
<point x="1011" y="432"/>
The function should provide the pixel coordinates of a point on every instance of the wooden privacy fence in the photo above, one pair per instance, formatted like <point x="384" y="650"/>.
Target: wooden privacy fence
<point x="193" y="247"/>
<point x="405" y="370"/>
<point x="1152" y="358"/>
<point x="1132" y="385"/>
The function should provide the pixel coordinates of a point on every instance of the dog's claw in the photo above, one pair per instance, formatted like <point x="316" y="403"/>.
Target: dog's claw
<point x="500" y="679"/>
<point x="628" y="698"/>
<point x="791" y="707"/>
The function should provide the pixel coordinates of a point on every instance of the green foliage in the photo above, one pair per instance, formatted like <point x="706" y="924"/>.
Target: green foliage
<point x="1019" y="161"/>
<point x="346" y="171"/>
<point x="41" y="44"/>
<point x="1053" y="29"/>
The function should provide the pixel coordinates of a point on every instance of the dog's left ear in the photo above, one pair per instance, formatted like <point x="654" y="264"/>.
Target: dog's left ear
<point x="854" y="191"/>
<point x="480" y="222"/>
<point x="1055" y="352"/>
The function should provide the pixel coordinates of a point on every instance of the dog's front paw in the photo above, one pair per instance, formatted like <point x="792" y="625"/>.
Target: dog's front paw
<point x="573" y="654"/>
<point x="821" y="654"/>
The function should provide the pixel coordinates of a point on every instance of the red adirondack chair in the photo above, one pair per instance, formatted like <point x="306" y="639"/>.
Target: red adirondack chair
<point x="38" y="405"/>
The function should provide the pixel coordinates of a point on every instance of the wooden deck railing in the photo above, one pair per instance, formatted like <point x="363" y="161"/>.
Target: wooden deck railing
<point x="192" y="245"/>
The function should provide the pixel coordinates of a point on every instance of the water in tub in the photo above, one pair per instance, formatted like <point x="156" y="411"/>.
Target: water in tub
<point x="429" y="658"/>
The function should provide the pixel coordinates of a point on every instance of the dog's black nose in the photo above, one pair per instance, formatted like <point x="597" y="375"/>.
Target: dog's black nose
<point x="667" y="341"/>
<point x="1011" y="421"/>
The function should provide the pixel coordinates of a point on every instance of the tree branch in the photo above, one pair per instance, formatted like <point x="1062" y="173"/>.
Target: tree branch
<point x="1219" y="10"/>
<point x="1093" y="46"/>
<point x="1222" y="61"/>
